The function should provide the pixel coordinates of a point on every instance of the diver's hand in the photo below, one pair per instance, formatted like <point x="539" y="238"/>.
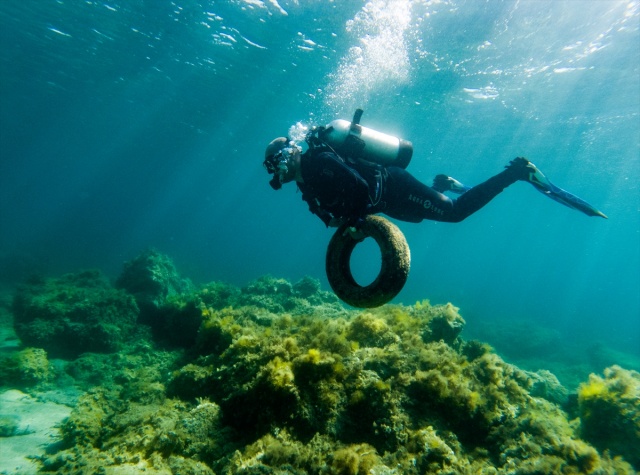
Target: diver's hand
<point x="355" y="233"/>
<point x="336" y="222"/>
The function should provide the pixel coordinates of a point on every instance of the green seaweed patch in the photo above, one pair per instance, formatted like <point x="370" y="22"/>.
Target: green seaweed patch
<point x="368" y="330"/>
<point x="196" y="319"/>
<point x="163" y="437"/>
<point x="280" y="296"/>
<point x="610" y="412"/>
<point x="444" y="321"/>
<point x="73" y="314"/>
<point x="177" y="321"/>
<point x="152" y="278"/>
<point x="280" y="453"/>
<point x="218" y="295"/>
<point x="27" y="367"/>
<point x="143" y="368"/>
<point x="318" y="389"/>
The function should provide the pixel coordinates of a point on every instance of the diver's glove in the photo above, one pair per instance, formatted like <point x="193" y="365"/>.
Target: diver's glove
<point x="355" y="233"/>
<point x="442" y="183"/>
<point x="335" y="222"/>
<point x="353" y="230"/>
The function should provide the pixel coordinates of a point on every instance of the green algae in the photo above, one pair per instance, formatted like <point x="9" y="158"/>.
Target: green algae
<point x="529" y="345"/>
<point x="280" y="378"/>
<point x="391" y="405"/>
<point x="24" y="368"/>
<point x="610" y="412"/>
<point x="9" y="425"/>
<point x="73" y="314"/>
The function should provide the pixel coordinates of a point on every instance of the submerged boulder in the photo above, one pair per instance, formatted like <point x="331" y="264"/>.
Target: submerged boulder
<point x="74" y="314"/>
<point x="152" y="278"/>
<point x="162" y="296"/>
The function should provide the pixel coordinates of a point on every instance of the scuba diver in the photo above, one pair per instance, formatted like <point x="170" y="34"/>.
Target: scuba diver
<point x="350" y="171"/>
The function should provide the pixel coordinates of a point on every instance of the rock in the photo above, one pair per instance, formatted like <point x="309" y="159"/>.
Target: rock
<point x="152" y="279"/>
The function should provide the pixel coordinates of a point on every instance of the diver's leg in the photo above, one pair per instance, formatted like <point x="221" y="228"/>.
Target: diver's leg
<point x="478" y="196"/>
<point x="406" y="198"/>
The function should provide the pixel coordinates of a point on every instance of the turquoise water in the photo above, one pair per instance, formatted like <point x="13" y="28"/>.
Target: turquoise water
<point x="127" y="125"/>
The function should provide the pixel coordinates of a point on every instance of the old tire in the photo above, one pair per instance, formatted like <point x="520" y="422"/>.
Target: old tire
<point x="396" y="261"/>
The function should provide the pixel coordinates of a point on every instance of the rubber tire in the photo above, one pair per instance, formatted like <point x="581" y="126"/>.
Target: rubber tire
<point x="396" y="262"/>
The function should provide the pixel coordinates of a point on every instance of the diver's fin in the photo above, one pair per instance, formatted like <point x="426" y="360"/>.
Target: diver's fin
<point x="544" y="186"/>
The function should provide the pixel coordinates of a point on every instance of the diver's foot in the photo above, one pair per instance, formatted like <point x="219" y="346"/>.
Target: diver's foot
<point x="524" y="170"/>
<point x="442" y="183"/>
<point x="527" y="171"/>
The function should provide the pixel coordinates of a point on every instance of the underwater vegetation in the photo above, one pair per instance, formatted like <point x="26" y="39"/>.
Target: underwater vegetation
<point x="280" y="378"/>
<point x="610" y="412"/>
<point x="529" y="345"/>
<point x="74" y="314"/>
<point x="27" y="367"/>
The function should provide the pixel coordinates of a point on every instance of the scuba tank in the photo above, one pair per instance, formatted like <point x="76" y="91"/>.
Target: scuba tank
<point x="351" y="140"/>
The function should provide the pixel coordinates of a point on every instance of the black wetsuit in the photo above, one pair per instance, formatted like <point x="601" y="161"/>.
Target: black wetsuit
<point x="334" y="188"/>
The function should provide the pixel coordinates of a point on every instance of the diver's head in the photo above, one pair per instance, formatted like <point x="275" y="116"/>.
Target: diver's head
<point x="281" y="160"/>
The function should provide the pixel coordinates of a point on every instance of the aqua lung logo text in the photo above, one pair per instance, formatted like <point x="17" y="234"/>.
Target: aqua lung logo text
<point x="426" y="204"/>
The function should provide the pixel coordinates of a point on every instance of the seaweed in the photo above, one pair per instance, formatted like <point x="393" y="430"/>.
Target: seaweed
<point x="24" y="368"/>
<point x="279" y="378"/>
<point x="73" y="314"/>
<point x="610" y="412"/>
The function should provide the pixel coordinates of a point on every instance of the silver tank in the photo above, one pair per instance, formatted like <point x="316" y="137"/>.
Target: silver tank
<point x="363" y="143"/>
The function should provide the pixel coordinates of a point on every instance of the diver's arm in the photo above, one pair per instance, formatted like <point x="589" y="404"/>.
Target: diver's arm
<point x="316" y="209"/>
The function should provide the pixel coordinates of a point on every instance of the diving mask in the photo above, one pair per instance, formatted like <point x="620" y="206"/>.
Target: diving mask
<point x="279" y="165"/>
